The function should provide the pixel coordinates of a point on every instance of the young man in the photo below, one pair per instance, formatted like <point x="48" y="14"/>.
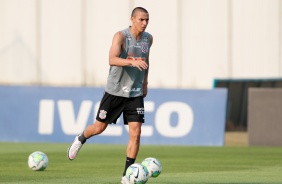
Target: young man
<point x="126" y="86"/>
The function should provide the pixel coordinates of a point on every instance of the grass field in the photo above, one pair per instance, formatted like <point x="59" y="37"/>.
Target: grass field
<point x="103" y="164"/>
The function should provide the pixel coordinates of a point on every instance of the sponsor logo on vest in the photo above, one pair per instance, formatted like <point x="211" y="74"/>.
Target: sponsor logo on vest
<point x="134" y="58"/>
<point x="127" y="89"/>
<point x="128" y="37"/>
<point x="145" y="38"/>
<point x="136" y="46"/>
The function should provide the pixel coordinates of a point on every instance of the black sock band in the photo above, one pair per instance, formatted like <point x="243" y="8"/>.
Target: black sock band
<point x="81" y="138"/>
<point x="128" y="162"/>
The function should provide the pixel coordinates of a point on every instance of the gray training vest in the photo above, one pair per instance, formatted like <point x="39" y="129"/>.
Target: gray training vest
<point x="127" y="81"/>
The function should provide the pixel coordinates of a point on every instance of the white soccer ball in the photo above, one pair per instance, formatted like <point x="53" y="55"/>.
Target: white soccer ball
<point x="37" y="161"/>
<point x="153" y="166"/>
<point x="137" y="174"/>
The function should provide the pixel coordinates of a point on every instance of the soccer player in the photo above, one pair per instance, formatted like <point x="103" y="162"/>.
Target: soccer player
<point x="126" y="86"/>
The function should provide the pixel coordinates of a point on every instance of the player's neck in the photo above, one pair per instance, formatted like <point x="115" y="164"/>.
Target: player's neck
<point x="137" y="35"/>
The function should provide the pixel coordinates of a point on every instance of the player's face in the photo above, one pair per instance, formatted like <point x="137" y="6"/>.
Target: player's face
<point x="140" y="21"/>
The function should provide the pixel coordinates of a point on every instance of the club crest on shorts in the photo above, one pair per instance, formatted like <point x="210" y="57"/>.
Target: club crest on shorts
<point x="103" y="114"/>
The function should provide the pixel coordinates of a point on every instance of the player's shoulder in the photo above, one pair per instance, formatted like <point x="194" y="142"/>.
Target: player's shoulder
<point x="124" y="32"/>
<point x="119" y="36"/>
<point x="149" y="35"/>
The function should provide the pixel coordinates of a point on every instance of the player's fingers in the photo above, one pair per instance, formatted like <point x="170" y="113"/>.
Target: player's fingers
<point x="139" y="68"/>
<point x="144" y="65"/>
<point x="142" y="62"/>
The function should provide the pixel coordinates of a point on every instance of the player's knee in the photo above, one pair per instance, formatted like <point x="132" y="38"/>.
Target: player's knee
<point x="135" y="134"/>
<point x="102" y="127"/>
<point x="98" y="128"/>
<point x="135" y="139"/>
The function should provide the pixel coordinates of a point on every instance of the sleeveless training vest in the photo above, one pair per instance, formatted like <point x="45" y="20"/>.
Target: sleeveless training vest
<point x="127" y="81"/>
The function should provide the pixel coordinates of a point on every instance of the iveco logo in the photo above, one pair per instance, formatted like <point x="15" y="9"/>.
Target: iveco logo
<point x="73" y="119"/>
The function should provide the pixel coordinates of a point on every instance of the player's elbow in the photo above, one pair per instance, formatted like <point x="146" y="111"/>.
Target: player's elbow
<point x="111" y="61"/>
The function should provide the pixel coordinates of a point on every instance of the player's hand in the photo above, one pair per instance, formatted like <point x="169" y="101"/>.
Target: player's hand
<point x="139" y="63"/>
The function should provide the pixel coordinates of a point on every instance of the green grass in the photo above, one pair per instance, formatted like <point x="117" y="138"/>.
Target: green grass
<point x="103" y="164"/>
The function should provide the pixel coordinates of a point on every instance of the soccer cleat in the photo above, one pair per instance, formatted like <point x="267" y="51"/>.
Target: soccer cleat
<point x="124" y="180"/>
<point x="74" y="148"/>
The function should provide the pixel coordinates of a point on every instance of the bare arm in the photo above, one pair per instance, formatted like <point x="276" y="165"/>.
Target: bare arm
<point x="115" y="51"/>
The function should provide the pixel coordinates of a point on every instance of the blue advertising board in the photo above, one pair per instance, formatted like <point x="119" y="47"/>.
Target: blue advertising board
<point x="57" y="114"/>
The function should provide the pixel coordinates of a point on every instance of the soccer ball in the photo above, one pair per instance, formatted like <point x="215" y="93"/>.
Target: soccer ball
<point x="153" y="166"/>
<point x="137" y="174"/>
<point x="37" y="161"/>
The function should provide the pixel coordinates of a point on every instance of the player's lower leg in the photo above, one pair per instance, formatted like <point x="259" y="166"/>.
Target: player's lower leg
<point x="133" y="144"/>
<point x="129" y="161"/>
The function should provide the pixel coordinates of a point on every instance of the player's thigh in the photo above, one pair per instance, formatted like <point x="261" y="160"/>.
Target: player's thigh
<point x="134" y="110"/>
<point x="110" y="108"/>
